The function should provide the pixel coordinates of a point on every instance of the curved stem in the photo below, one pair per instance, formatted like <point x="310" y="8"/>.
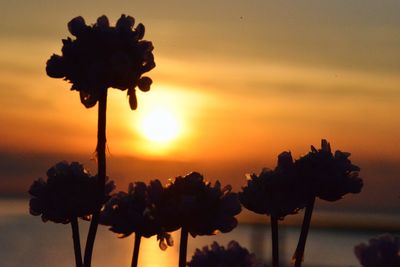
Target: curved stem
<point x="77" y="242"/>
<point x="183" y="247"/>
<point x="275" y="241"/>
<point x="136" y="248"/>
<point x="101" y="173"/>
<point x="301" y="245"/>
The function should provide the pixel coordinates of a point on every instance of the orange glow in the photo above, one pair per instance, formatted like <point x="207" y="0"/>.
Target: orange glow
<point x="152" y="256"/>
<point x="231" y="99"/>
<point x="160" y="126"/>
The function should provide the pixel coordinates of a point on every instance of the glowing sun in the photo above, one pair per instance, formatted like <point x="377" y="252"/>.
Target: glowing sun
<point x="160" y="125"/>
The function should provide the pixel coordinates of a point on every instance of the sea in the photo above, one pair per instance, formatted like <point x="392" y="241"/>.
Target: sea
<point x="26" y="241"/>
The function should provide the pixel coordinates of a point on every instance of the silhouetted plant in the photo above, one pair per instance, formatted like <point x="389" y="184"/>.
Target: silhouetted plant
<point x="327" y="176"/>
<point x="103" y="56"/>
<point x="192" y="204"/>
<point x="274" y="193"/>
<point x="136" y="212"/>
<point x="380" y="251"/>
<point x="218" y="256"/>
<point x="68" y="193"/>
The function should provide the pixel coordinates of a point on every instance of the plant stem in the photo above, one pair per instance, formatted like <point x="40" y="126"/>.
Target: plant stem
<point x="183" y="247"/>
<point x="101" y="173"/>
<point x="275" y="241"/>
<point x="77" y="242"/>
<point x="136" y="248"/>
<point x="301" y="245"/>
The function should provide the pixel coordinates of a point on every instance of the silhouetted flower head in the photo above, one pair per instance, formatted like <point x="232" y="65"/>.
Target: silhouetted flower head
<point x="200" y="208"/>
<point x="381" y="251"/>
<point x="102" y="56"/>
<point x="328" y="176"/>
<point x="69" y="192"/>
<point x="136" y="212"/>
<point x="218" y="256"/>
<point x="274" y="192"/>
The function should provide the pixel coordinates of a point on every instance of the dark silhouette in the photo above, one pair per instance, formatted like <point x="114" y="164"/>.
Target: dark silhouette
<point x="218" y="256"/>
<point x="192" y="204"/>
<point x="69" y="193"/>
<point x="293" y="185"/>
<point x="327" y="176"/>
<point x="102" y="56"/>
<point x="380" y="251"/>
<point x="274" y="193"/>
<point x="137" y="212"/>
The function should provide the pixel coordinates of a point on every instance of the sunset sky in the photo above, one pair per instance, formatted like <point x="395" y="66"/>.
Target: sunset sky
<point x="242" y="80"/>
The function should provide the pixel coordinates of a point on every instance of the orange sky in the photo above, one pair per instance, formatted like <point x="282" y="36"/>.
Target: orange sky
<point x="247" y="79"/>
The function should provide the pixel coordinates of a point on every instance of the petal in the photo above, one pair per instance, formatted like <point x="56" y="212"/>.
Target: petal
<point x="102" y="22"/>
<point x="35" y="207"/>
<point x="227" y="224"/>
<point x="132" y="99"/>
<point x="355" y="185"/>
<point x="37" y="188"/>
<point x="325" y="146"/>
<point x="55" y="66"/>
<point x="169" y="239"/>
<point x="163" y="246"/>
<point x="140" y="31"/>
<point x="230" y="204"/>
<point x="125" y="22"/>
<point x="148" y="66"/>
<point x="285" y="159"/>
<point x="77" y="26"/>
<point x="87" y="100"/>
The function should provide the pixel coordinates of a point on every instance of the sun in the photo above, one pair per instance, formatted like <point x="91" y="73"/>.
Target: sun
<point x="160" y="125"/>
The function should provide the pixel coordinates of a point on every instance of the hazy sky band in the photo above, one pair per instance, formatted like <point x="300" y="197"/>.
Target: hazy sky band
<point x="248" y="79"/>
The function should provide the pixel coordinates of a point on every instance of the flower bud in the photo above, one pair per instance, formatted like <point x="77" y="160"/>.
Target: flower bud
<point x="125" y="22"/>
<point x="102" y="22"/>
<point x="77" y="26"/>
<point x="144" y="83"/>
<point x="132" y="99"/>
<point x="55" y="67"/>
<point x="140" y="31"/>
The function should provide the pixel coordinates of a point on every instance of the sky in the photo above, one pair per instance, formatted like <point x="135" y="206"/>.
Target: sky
<point x="244" y="80"/>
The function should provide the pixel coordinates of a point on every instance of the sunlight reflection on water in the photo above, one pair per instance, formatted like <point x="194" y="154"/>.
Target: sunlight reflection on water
<point x="154" y="257"/>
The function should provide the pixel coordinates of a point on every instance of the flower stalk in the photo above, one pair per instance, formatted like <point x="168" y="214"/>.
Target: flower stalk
<point x="101" y="167"/>
<point x="77" y="242"/>
<point x="136" y="247"/>
<point x="275" y="241"/>
<point x="183" y="247"/>
<point x="301" y="245"/>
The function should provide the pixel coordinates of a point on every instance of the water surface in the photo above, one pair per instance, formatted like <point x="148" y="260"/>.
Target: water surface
<point x="27" y="241"/>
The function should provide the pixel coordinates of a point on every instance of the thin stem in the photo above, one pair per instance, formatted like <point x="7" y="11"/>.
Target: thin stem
<point x="136" y="248"/>
<point x="275" y="241"/>
<point x="101" y="173"/>
<point x="183" y="247"/>
<point x="301" y="245"/>
<point x="77" y="242"/>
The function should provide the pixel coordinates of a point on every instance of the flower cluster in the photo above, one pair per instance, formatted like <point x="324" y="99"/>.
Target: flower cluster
<point x="274" y="192"/>
<point x="217" y="256"/>
<point x="286" y="189"/>
<point x="192" y="203"/>
<point x="326" y="175"/>
<point x="69" y="192"/>
<point x="136" y="212"/>
<point x="381" y="251"/>
<point x="103" y="56"/>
